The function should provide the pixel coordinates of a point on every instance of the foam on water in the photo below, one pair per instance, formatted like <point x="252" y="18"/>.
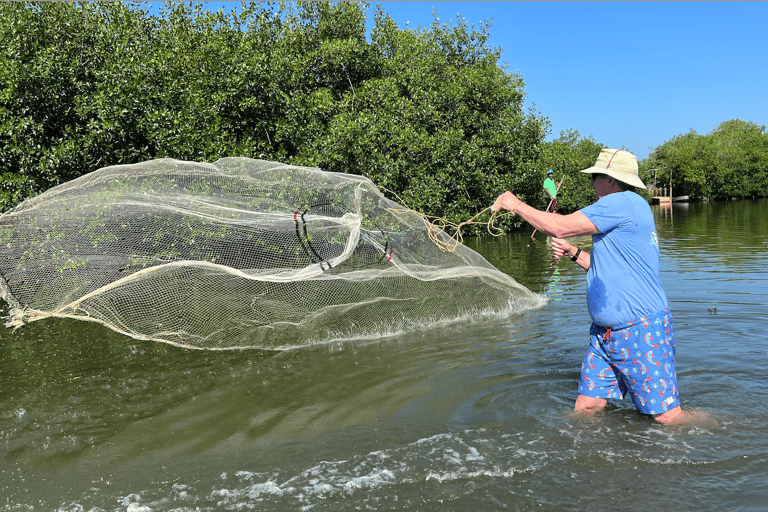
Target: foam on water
<point x="394" y="328"/>
<point x="457" y="463"/>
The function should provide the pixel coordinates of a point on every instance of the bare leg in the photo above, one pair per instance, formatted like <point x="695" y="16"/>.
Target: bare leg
<point x="589" y="404"/>
<point x="671" y="417"/>
<point x="677" y="416"/>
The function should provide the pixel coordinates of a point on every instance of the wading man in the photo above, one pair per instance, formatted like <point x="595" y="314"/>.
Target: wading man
<point x="632" y="345"/>
<point x="550" y="190"/>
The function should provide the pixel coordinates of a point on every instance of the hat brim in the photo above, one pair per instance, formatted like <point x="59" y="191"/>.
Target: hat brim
<point x="625" y="177"/>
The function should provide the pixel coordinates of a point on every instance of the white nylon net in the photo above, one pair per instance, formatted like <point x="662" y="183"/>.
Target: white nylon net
<point x="238" y="253"/>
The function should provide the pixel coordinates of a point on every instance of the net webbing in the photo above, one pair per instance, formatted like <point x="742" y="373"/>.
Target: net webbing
<point x="238" y="253"/>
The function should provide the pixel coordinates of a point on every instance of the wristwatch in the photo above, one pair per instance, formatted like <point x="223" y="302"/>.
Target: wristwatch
<point x="576" y="256"/>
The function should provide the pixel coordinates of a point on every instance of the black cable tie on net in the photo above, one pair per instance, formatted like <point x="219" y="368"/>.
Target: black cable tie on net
<point x="310" y="251"/>
<point x="388" y="244"/>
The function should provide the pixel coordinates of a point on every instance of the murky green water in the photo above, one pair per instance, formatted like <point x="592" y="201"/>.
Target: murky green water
<point x="474" y="416"/>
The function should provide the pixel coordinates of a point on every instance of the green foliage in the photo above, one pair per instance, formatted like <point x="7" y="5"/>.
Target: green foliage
<point x="568" y="155"/>
<point x="441" y="125"/>
<point x="426" y="113"/>
<point x="730" y="162"/>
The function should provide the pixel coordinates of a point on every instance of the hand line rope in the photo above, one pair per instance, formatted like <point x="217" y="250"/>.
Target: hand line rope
<point x="436" y="225"/>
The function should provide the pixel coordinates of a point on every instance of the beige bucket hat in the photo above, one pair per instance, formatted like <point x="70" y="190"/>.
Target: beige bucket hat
<point x="618" y="164"/>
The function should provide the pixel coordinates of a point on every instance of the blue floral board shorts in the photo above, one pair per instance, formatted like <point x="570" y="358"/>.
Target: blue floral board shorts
<point x="637" y="358"/>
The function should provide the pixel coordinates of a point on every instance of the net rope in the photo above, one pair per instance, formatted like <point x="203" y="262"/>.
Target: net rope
<point x="437" y="226"/>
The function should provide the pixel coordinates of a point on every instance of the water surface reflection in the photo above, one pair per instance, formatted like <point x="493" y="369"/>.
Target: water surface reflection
<point x="470" y="416"/>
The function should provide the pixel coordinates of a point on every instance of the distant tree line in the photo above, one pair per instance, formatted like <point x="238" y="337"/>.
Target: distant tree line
<point x="428" y="113"/>
<point x="730" y="162"/>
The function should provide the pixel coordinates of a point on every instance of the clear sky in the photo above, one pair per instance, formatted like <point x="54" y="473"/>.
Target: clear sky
<point x="629" y="74"/>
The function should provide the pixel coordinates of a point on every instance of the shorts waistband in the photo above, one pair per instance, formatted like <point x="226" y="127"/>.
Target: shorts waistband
<point x="634" y="322"/>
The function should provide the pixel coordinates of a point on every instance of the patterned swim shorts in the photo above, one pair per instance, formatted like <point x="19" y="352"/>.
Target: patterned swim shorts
<point x="638" y="358"/>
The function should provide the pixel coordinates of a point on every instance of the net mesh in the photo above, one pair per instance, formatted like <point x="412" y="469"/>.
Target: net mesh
<point x="238" y="253"/>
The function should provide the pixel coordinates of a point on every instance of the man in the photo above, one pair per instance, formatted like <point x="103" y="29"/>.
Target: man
<point x="550" y="190"/>
<point x="632" y="347"/>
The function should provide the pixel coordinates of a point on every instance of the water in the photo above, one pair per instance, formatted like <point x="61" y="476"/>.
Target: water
<point x="475" y="416"/>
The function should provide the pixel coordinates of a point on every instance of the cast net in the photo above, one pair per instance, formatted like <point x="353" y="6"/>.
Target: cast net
<point x="238" y="253"/>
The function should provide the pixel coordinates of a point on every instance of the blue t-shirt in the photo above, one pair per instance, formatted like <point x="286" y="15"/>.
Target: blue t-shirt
<point x="623" y="281"/>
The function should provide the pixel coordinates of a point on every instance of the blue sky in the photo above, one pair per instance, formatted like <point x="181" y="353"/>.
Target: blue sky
<point x="629" y="74"/>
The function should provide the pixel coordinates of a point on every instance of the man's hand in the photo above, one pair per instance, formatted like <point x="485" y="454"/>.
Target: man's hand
<point x="506" y="201"/>
<point x="561" y="247"/>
